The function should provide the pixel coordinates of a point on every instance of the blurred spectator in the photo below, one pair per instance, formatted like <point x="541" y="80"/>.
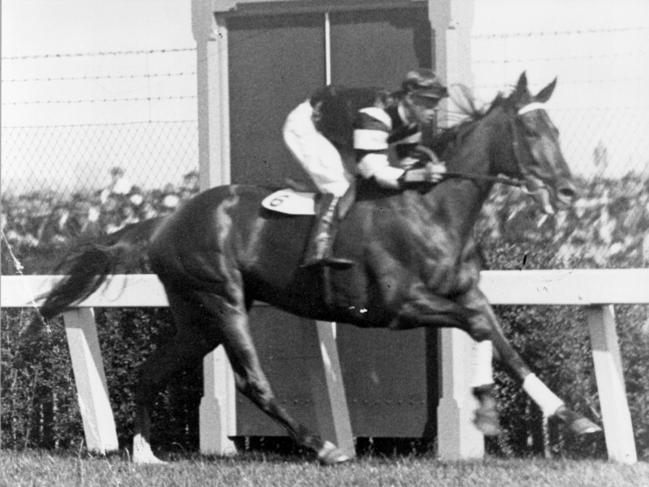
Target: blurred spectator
<point x="190" y="185"/>
<point x="118" y="184"/>
<point x="170" y="198"/>
<point x="135" y="196"/>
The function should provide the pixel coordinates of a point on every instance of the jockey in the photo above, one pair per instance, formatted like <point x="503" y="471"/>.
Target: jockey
<point x="316" y="132"/>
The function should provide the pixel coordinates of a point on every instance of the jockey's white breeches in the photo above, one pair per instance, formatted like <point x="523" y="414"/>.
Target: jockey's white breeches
<point x="319" y="158"/>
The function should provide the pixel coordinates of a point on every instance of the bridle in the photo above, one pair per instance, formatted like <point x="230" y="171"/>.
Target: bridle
<point x="518" y="154"/>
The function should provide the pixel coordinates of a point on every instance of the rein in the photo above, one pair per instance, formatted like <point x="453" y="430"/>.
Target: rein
<point x="476" y="177"/>
<point x="417" y="176"/>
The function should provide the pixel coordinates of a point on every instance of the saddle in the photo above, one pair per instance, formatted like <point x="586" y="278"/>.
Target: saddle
<point x="296" y="199"/>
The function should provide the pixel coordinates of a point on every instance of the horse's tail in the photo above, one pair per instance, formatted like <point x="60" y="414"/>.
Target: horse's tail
<point x="87" y="267"/>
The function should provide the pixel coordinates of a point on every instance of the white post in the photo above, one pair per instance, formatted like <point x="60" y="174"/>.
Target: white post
<point x="217" y="413"/>
<point x="89" y="377"/>
<point x="212" y="78"/>
<point x="618" y="430"/>
<point x="329" y="397"/>
<point x="458" y="438"/>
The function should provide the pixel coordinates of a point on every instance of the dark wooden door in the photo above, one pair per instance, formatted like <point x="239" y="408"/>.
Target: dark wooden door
<point x="275" y="62"/>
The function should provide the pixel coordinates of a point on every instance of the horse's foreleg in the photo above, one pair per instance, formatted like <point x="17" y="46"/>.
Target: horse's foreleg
<point x="484" y="328"/>
<point x="252" y="382"/>
<point x="427" y="309"/>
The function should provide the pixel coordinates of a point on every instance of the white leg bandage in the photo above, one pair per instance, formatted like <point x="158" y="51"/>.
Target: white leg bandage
<point x="482" y="369"/>
<point x="541" y="395"/>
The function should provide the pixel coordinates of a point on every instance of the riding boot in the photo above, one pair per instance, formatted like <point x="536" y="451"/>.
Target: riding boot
<point x="322" y="236"/>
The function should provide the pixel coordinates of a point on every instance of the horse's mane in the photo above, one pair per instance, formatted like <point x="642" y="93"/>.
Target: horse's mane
<point x="449" y="138"/>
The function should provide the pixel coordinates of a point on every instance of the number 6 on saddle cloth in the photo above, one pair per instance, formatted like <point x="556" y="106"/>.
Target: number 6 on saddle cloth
<point x="291" y="201"/>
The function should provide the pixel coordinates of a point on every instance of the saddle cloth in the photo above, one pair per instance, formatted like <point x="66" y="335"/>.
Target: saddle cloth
<point x="290" y="202"/>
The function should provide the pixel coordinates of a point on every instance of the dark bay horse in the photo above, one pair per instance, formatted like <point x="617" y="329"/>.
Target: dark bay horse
<point x="416" y="264"/>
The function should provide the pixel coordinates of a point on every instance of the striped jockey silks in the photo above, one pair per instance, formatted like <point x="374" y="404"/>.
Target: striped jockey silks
<point x="376" y="129"/>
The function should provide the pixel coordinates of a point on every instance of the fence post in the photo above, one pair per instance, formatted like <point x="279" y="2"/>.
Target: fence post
<point x="329" y="398"/>
<point x="217" y="411"/>
<point x="457" y="437"/>
<point x="618" y="430"/>
<point x="89" y="377"/>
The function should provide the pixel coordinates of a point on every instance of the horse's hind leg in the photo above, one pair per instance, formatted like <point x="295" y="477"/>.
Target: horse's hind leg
<point x="194" y="338"/>
<point x="484" y="327"/>
<point x="252" y="381"/>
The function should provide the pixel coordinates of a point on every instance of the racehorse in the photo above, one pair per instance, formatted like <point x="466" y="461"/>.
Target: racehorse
<point x="417" y="264"/>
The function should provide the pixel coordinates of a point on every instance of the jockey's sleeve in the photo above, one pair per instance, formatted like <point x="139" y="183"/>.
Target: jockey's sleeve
<point x="372" y="128"/>
<point x="389" y="177"/>
<point x="405" y="139"/>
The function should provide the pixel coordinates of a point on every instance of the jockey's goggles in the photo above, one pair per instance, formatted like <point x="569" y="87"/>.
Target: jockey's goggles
<point x="426" y="100"/>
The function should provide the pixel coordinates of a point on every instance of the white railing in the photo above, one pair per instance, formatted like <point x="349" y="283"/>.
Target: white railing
<point x="598" y="290"/>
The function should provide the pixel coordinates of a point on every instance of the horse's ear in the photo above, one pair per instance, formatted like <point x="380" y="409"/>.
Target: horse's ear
<point x="521" y="84"/>
<point x="520" y="95"/>
<point x="545" y="94"/>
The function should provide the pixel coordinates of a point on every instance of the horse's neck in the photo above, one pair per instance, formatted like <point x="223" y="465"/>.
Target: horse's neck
<point x="486" y="150"/>
<point x="462" y="199"/>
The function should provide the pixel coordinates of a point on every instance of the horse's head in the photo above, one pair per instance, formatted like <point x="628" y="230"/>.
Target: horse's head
<point x="537" y="153"/>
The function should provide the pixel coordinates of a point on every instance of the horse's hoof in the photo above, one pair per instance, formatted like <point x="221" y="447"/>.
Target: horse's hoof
<point x="579" y="425"/>
<point x="142" y="453"/>
<point x="486" y="416"/>
<point x="147" y="460"/>
<point x="584" y="426"/>
<point x="487" y="422"/>
<point x="329" y="454"/>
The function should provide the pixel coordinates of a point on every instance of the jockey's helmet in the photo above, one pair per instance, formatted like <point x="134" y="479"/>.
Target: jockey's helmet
<point x="425" y="83"/>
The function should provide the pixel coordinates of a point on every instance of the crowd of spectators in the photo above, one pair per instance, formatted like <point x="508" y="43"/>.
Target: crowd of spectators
<point x="45" y="218"/>
<point x="607" y="227"/>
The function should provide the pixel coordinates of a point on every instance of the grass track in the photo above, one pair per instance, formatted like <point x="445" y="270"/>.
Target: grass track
<point x="34" y="468"/>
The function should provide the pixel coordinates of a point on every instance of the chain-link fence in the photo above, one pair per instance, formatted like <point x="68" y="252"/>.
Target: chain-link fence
<point x="69" y="118"/>
<point x="64" y="159"/>
<point x="92" y="141"/>
<point x="600" y="103"/>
